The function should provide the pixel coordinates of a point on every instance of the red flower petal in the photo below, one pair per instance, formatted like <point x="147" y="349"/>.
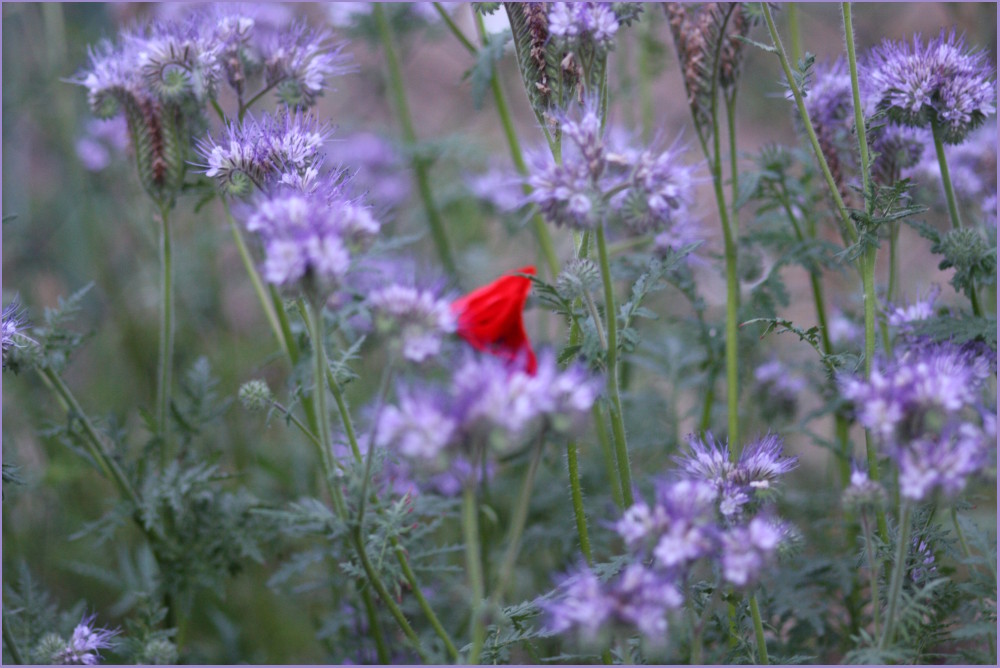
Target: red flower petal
<point x="490" y="318"/>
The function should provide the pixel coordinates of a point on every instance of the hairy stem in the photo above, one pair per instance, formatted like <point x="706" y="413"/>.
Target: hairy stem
<point x="398" y="93"/>
<point x="573" y="466"/>
<point x="166" y="354"/>
<point x="949" y="191"/>
<point x="898" y="570"/>
<point x="617" y="418"/>
<point x="758" y="631"/>
<point x="474" y="568"/>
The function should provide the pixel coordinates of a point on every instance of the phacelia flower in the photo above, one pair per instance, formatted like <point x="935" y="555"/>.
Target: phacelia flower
<point x="377" y="167"/>
<point x="308" y="235"/>
<point x="580" y="23"/>
<point x="746" y="550"/>
<point x="828" y="99"/>
<point x="490" y="318"/>
<point x="10" y="328"/>
<point x="83" y="647"/>
<point x="487" y="404"/>
<point x="863" y="492"/>
<point x="942" y="83"/>
<point x="777" y="388"/>
<point x="921" y="309"/>
<point x="928" y="411"/>
<point x="972" y="165"/>
<point x="419" y="319"/>
<point x="264" y="151"/>
<point x="758" y="467"/>
<point x="299" y="62"/>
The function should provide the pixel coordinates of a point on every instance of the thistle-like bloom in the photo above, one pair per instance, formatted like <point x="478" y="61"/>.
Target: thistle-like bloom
<point x="83" y="648"/>
<point x="260" y="152"/>
<point x="746" y="550"/>
<point x="638" y="597"/>
<point x="828" y="98"/>
<point x="863" y="492"/>
<point x="777" y="388"/>
<point x="580" y="23"/>
<point x="299" y="61"/>
<point x="941" y="83"/>
<point x="487" y="404"/>
<point x="12" y="322"/>
<point x="927" y="410"/>
<point x="490" y="318"/>
<point x="309" y="235"/>
<point x="417" y="317"/>
<point x="647" y="189"/>
<point x="921" y="309"/>
<point x="758" y="467"/>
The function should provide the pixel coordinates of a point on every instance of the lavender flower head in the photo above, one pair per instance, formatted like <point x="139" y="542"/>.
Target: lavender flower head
<point x="486" y="405"/>
<point x="862" y="491"/>
<point x="972" y="165"/>
<point x="417" y="317"/>
<point x="941" y="84"/>
<point x="927" y="410"/>
<point x="578" y="24"/>
<point x="902" y="316"/>
<point x="829" y="100"/>
<point x="299" y="61"/>
<point x="777" y="388"/>
<point x="12" y="322"/>
<point x="378" y="167"/>
<point x="309" y="235"/>
<point x="257" y="153"/>
<point x="83" y="647"/>
<point x="758" y="467"/>
<point x="747" y="550"/>
<point x="647" y="189"/>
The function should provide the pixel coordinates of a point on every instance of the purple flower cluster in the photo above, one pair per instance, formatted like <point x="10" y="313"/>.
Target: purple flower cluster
<point x="187" y="60"/>
<point x="255" y="153"/>
<point x="927" y="409"/>
<point x="579" y="24"/>
<point x="902" y="317"/>
<point x="941" y="83"/>
<point x="777" y="388"/>
<point x="10" y="328"/>
<point x="417" y="317"/>
<point x="309" y="235"/>
<point x="83" y="647"/>
<point x="377" y="167"/>
<point x="646" y="189"/>
<point x="701" y="516"/>
<point x="486" y="405"/>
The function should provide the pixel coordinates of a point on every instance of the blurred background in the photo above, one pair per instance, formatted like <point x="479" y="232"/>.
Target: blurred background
<point x="74" y="213"/>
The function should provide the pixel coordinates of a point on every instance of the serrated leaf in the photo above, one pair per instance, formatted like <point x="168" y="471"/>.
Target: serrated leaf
<point x="481" y="74"/>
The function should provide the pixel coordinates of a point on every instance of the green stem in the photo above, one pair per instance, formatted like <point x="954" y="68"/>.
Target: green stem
<point x="455" y="30"/>
<point x="474" y="567"/>
<point x="93" y="441"/>
<point x="859" y="116"/>
<point x="398" y="93"/>
<point x="607" y="449"/>
<point x="573" y="466"/>
<point x="960" y="533"/>
<point x="348" y="425"/>
<point x="758" y="630"/>
<point x="890" y="292"/>
<point x="792" y="9"/>
<point x="518" y="522"/>
<point x="381" y="649"/>
<point x="165" y="366"/>
<point x="845" y="218"/>
<point x="949" y="191"/>
<point x="617" y="419"/>
<point x="8" y="639"/>
<point x="872" y="574"/>
<point x="298" y="423"/>
<point x="734" y="172"/>
<point x="898" y="570"/>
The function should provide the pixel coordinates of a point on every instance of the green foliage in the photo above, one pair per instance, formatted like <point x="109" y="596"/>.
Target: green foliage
<point x="482" y="73"/>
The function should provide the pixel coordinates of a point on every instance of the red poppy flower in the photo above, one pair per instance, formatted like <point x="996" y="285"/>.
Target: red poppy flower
<point x="489" y="318"/>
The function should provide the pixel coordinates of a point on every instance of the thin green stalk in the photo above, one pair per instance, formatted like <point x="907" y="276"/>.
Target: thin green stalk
<point x="453" y="27"/>
<point x="898" y="570"/>
<point x="381" y="649"/>
<point x="949" y="191"/>
<point x="617" y="418"/>
<point x="348" y="425"/>
<point x="474" y="567"/>
<point x="734" y="172"/>
<point x="258" y="285"/>
<point x="8" y="639"/>
<point x="792" y="9"/>
<point x="859" y="116"/>
<point x="166" y="356"/>
<point x="758" y="631"/>
<point x="518" y="522"/>
<point x="573" y="465"/>
<point x="607" y="449"/>
<point x="398" y="93"/>
<point x="298" y="423"/>
<point x="890" y="292"/>
<point x="872" y="574"/>
<point x="93" y="441"/>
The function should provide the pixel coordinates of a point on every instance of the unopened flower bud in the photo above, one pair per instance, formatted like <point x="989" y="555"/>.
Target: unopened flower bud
<point x="255" y="396"/>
